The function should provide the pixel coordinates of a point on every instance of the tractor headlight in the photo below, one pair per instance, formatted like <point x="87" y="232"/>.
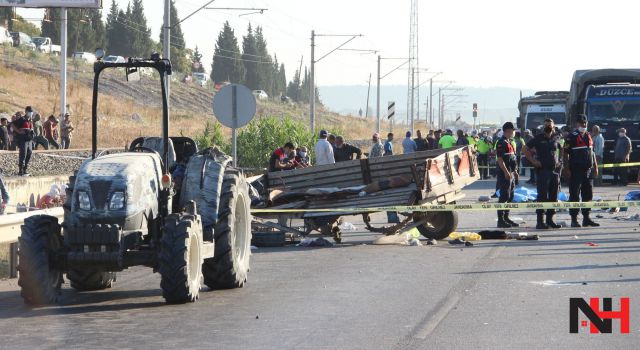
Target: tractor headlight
<point x="83" y="199"/>
<point x="117" y="201"/>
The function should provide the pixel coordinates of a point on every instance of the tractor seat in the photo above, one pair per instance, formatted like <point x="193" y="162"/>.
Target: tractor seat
<point x="155" y="143"/>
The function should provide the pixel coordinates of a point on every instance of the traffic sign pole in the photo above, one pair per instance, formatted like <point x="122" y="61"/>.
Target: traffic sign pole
<point x="234" y="106"/>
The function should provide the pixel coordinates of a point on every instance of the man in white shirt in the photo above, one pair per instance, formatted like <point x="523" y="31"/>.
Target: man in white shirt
<point x="324" y="150"/>
<point x="598" y="149"/>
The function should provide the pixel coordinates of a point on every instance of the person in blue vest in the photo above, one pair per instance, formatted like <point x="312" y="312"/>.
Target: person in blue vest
<point x="507" y="173"/>
<point x="388" y="145"/>
<point x="582" y="168"/>
<point x="546" y="162"/>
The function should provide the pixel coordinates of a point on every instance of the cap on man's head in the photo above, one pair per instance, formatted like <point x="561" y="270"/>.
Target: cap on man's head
<point x="474" y="132"/>
<point x="323" y="133"/>
<point x="28" y="109"/>
<point x="449" y="131"/>
<point x="622" y="130"/>
<point x="581" y="118"/>
<point x="408" y="134"/>
<point x="508" y="126"/>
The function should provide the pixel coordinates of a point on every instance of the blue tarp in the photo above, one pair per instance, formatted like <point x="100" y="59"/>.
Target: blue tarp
<point x="523" y="194"/>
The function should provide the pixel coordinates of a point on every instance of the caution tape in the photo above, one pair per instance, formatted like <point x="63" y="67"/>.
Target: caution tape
<point x="464" y="207"/>
<point x="606" y="166"/>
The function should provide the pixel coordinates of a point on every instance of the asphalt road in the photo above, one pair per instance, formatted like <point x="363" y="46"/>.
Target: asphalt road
<point x="494" y="295"/>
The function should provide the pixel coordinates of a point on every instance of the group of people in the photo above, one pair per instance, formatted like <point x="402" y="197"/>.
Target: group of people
<point x="552" y="154"/>
<point x="28" y="129"/>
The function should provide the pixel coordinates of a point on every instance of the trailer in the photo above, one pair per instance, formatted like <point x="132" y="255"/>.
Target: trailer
<point x="421" y="178"/>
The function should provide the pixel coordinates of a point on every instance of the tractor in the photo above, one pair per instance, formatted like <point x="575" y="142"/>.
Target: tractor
<point x="162" y="204"/>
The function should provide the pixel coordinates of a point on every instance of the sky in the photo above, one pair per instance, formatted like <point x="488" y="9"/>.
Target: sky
<point x="490" y="43"/>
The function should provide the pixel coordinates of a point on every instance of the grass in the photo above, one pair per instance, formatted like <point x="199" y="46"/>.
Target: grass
<point x="35" y="82"/>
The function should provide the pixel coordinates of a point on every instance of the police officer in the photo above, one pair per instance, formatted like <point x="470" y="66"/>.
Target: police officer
<point x="507" y="173"/>
<point x="582" y="168"/>
<point x="548" y="166"/>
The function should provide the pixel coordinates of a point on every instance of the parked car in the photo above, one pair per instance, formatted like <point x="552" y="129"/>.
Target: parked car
<point x="260" y="95"/>
<point x="200" y="78"/>
<point x="114" y="59"/>
<point x="86" y="56"/>
<point x="5" y="37"/>
<point x="21" y="39"/>
<point x="45" y="45"/>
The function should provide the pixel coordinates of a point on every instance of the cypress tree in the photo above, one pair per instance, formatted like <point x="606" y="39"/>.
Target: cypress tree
<point x="227" y="64"/>
<point x="249" y="53"/>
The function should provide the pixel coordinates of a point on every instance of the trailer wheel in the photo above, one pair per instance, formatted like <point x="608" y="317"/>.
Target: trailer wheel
<point x="180" y="259"/>
<point x="230" y="264"/>
<point x="439" y="224"/>
<point x="38" y="276"/>
<point x="84" y="280"/>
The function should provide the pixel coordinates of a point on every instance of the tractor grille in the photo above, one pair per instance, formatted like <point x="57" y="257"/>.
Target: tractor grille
<point x="100" y="193"/>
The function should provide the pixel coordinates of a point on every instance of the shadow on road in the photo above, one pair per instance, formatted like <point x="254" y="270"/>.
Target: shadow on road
<point x="559" y="268"/>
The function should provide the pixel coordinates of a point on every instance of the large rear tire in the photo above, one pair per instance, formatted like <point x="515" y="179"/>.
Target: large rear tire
<point x="230" y="264"/>
<point x="38" y="276"/>
<point x="85" y="280"/>
<point x="439" y="224"/>
<point x="180" y="258"/>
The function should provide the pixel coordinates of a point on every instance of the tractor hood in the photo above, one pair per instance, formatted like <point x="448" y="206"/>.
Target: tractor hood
<point x="136" y="176"/>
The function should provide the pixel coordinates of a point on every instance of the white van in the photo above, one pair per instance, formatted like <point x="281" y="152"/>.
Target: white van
<point x="88" y="57"/>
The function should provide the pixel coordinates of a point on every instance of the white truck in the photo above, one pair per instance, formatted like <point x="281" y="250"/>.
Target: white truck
<point x="544" y="104"/>
<point x="45" y="45"/>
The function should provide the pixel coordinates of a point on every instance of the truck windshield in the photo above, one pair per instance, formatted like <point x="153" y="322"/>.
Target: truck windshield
<point x="614" y="111"/>
<point x="39" y="41"/>
<point x="535" y="119"/>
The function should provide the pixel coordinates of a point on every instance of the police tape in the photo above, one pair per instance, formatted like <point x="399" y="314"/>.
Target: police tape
<point x="463" y="207"/>
<point x="606" y="166"/>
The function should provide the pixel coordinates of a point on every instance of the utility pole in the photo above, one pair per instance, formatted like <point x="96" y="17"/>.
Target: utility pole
<point x="166" y="52"/>
<point x="440" y="126"/>
<point x="366" y="113"/>
<point x="413" y="78"/>
<point x="63" y="62"/>
<point x="312" y="93"/>
<point x="431" y="102"/>
<point x="378" y="98"/>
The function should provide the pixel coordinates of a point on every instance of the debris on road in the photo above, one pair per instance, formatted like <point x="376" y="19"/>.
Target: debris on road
<point x="522" y="236"/>
<point x="493" y="234"/>
<point x="317" y="242"/>
<point x="347" y="226"/>
<point x="467" y="236"/>
<point x="414" y="242"/>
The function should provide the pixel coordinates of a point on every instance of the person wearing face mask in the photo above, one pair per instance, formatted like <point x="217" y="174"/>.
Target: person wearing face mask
<point x="621" y="154"/>
<point x="507" y="176"/>
<point x="546" y="162"/>
<point x="582" y="167"/>
<point x="302" y="157"/>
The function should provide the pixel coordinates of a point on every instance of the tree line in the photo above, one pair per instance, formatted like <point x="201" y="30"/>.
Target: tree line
<point x="126" y="33"/>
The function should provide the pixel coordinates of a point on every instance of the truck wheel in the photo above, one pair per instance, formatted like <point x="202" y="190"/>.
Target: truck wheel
<point x="38" y="276"/>
<point x="180" y="258"/>
<point x="230" y="264"/>
<point x="440" y="224"/>
<point x="84" y="280"/>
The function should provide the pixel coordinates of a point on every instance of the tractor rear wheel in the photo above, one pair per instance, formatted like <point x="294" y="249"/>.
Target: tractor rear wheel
<point x="38" y="276"/>
<point x="230" y="264"/>
<point x="85" y="280"/>
<point x="180" y="258"/>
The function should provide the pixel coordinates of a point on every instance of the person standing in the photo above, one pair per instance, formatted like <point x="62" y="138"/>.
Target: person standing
<point x="408" y="145"/>
<point x="388" y="145"/>
<point x="50" y="128"/>
<point x="66" y="129"/>
<point x="462" y="140"/>
<point x="377" y="150"/>
<point x="519" y="141"/>
<point x="473" y="138"/>
<point x="345" y="151"/>
<point x="437" y="137"/>
<point x="548" y="166"/>
<point x="421" y="142"/>
<point x="4" y="195"/>
<point x="528" y="136"/>
<point x="484" y="147"/>
<point x="447" y="140"/>
<point x="578" y="154"/>
<point x="431" y="140"/>
<point x="622" y="154"/>
<point x="507" y="176"/>
<point x="324" y="150"/>
<point x="23" y="136"/>
<point x="4" y="134"/>
<point x="598" y="149"/>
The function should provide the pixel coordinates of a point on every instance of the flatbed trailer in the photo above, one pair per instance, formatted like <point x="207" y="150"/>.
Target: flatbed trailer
<point x="421" y="178"/>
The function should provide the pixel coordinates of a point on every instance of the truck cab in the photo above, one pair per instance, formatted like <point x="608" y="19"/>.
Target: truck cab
<point x="543" y="105"/>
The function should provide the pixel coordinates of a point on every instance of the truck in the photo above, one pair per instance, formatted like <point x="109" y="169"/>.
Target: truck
<point x="611" y="99"/>
<point x="133" y="208"/>
<point x="542" y="105"/>
<point x="420" y="178"/>
<point x="45" y="45"/>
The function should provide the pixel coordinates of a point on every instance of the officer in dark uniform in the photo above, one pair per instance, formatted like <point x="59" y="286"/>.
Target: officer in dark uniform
<point x="582" y="168"/>
<point x="507" y="173"/>
<point x="548" y="166"/>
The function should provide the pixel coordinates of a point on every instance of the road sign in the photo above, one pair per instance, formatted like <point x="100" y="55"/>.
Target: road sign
<point x="234" y="106"/>
<point x="391" y="110"/>
<point x="52" y="3"/>
<point x="234" y="101"/>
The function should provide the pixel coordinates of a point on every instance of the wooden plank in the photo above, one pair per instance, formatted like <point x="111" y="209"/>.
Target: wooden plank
<point x="355" y="178"/>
